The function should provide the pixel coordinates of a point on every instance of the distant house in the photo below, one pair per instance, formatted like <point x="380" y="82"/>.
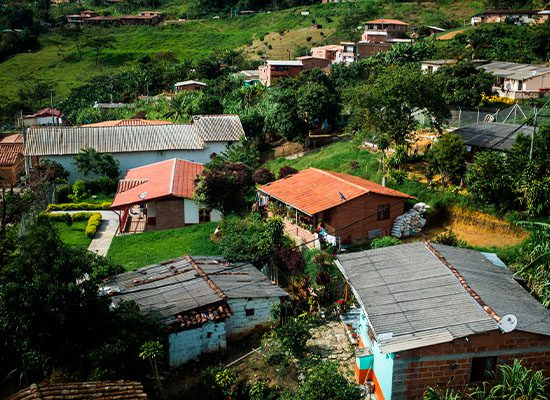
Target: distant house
<point x="327" y="52"/>
<point x="439" y="316"/>
<point x="160" y="196"/>
<point x="138" y="145"/>
<point x="349" y="208"/>
<point x="12" y="161"/>
<point x="519" y="81"/>
<point x="380" y="35"/>
<point x="44" y="117"/>
<point x="189" y="86"/>
<point x="105" y="390"/>
<point x="493" y="136"/>
<point x="348" y="53"/>
<point x="143" y="18"/>
<point x="203" y="301"/>
<point x="310" y="62"/>
<point x="434" y="65"/>
<point x="518" y="17"/>
<point x="249" y="76"/>
<point x="78" y="19"/>
<point x="276" y="69"/>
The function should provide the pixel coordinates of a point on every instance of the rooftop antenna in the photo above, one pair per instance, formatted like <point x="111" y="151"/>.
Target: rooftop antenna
<point x="142" y="195"/>
<point x="508" y="323"/>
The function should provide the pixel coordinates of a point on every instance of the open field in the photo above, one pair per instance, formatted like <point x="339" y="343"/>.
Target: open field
<point x="198" y="39"/>
<point x="73" y="235"/>
<point x="137" y="250"/>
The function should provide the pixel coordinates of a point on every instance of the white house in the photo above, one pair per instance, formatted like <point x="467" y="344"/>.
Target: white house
<point x="44" y="117"/>
<point x="205" y="302"/>
<point x="134" y="146"/>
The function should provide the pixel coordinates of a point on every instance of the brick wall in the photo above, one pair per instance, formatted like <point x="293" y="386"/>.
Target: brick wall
<point x="300" y="234"/>
<point x="365" y="210"/>
<point x="450" y="364"/>
<point x="169" y="215"/>
<point x="10" y="174"/>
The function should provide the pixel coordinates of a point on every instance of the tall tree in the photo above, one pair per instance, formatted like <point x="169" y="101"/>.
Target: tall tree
<point x="463" y="84"/>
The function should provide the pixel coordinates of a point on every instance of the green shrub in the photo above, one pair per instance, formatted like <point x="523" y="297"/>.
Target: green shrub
<point x="101" y="185"/>
<point x="449" y="238"/>
<point x="79" y="191"/>
<point x="78" y="206"/>
<point x="93" y="225"/>
<point x="62" y="193"/>
<point x="62" y="217"/>
<point x="385" y="241"/>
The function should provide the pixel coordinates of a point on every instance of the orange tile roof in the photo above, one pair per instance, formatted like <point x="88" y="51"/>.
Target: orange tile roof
<point x="155" y="181"/>
<point x="387" y="21"/>
<point x="11" y="138"/>
<point x="314" y="190"/>
<point x="107" y="390"/>
<point x="128" y="122"/>
<point x="9" y="152"/>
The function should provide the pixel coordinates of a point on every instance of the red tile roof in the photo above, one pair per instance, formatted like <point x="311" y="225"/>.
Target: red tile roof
<point x="128" y="122"/>
<point x="9" y="152"/>
<point x="107" y="390"/>
<point x="314" y="190"/>
<point x="11" y="138"/>
<point x="387" y="21"/>
<point x="46" y="112"/>
<point x="155" y="181"/>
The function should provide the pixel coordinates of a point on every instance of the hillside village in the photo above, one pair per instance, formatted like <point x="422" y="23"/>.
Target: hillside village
<point x="275" y="200"/>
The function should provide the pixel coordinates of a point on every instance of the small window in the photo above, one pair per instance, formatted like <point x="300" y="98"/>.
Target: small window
<point x="383" y="212"/>
<point x="209" y="335"/>
<point x="204" y="215"/>
<point x="482" y="368"/>
<point x="249" y="312"/>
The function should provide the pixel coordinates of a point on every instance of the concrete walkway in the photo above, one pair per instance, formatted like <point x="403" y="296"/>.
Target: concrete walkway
<point x="107" y="230"/>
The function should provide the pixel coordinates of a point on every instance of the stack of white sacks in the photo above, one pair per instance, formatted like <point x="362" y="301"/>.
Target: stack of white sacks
<point x="411" y="222"/>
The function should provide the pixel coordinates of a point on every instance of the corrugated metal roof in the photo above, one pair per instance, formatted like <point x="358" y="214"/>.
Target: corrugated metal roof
<point x="413" y="300"/>
<point x="128" y="122"/>
<point x="186" y="83"/>
<point x="219" y="128"/>
<point x="48" y="141"/>
<point x="314" y="190"/>
<point x="165" y="178"/>
<point x="493" y="135"/>
<point x="174" y="287"/>
<point x="290" y="63"/>
<point x="410" y="295"/>
<point x="512" y="70"/>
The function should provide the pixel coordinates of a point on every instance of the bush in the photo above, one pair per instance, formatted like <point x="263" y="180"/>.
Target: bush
<point x="62" y="217"/>
<point x="385" y="241"/>
<point x="449" y="238"/>
<point x="79" y="191"/>
<point x="263" y="176"/>
<point x="102" y="185"/>
<point x="62" y="193"/>
<point x="78" y="206"/>
<point x="294" y="334"/>
<point x="286" y="171"/>
<point x="93" y="225"/>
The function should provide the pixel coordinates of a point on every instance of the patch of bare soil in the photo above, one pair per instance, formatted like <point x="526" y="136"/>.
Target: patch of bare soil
<point x="477" y="229"/>
<point x="450" y="35"/>
<point x="288" y="149"/>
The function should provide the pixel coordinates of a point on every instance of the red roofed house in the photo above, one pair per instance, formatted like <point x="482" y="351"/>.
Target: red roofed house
<point x="46" y="116"/>
<point x="160" y="196"/>
<point x="350" y="208"/>
<point x="380" y="35"/>
<point x="12" y="161"/>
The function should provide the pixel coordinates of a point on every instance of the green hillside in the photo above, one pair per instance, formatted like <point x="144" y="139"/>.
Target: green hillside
<point x="194" y="40"/>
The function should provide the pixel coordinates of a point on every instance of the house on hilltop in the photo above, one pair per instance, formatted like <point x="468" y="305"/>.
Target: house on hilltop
<point x="160" y="196"/>
<point x="380" y="35"/>
<point x="203" y="301"/>
<point x="44" y="117"/>
<point x="517" y="17"/>
<point x="347" y="207"/>
<point x="439" y="316"/>
<point x="135" y="145"/>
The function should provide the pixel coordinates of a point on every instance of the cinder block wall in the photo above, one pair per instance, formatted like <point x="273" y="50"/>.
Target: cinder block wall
<point x="187" y="345"/>
<point x="239" y="323"/>
<point x="450" y="364"/>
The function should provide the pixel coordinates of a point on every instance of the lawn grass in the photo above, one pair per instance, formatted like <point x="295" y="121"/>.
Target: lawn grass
<point x="73" y="235"/>
<point x="138" y="250"/>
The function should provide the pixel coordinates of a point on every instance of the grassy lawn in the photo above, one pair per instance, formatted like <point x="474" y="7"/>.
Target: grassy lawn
<point x="137" y="250"/>
<point x="73" y="235"/>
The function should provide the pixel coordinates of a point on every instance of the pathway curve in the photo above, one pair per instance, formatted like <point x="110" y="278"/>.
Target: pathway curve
<point x="107" y="230"/>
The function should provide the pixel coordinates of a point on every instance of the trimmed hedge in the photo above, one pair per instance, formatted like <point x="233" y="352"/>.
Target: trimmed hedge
<point x="78" y="206"/>
<point x="93" y="225"/>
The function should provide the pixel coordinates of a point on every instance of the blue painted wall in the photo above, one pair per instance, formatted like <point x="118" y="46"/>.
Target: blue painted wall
<point x="382" y="364"/>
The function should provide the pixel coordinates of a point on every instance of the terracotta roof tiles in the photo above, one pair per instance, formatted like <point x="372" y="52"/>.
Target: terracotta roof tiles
<point x="314" y="190"/>
<point x="387" y="21"/>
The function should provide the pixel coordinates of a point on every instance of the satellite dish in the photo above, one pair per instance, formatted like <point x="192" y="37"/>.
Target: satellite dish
<point x="142" y="195"/>
<point x="508" y="323"/>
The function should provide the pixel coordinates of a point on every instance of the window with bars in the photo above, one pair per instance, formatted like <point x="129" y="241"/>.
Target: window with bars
<point x="383" y="212"/>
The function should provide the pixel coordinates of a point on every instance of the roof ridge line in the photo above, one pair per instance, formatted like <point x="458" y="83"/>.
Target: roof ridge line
<point x="206" y="278"/>
<point x="341" y="179"/>
<point x="462" y="281"/>
<point x="173" y="175"/>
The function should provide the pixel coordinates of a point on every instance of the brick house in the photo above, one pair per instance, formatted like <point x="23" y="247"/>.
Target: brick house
<point x="276" y="69"/>
<point x="189" y="86"/>
<point x="380" y="35"/>
<point x="203" y="301"/>
<point x="160" y="196"/>
<point x="12" y="161"/>
<point x="440" y="316"/>
<point x="310" y="62"/>
<point x="327" y="52"/>
<point x="349" y="208"/>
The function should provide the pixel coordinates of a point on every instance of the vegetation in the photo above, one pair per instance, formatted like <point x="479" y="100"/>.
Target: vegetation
<point x="385" y="241"/>
<point x="93" y="224"/>
<point x="73" y="235"/>
<point x="139" y="250"/>
<point x="79" y="206"/>
<point x="446" y="157"/>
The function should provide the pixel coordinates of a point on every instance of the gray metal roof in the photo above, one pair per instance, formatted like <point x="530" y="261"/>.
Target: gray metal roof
<point x="175" y="286"/>
<point x="219" y="128"/>
<point x="290" y="63"/>
<point x="493" y="135"/>
<point x="495" y="284"/>
<point x="47" y="141"/>
<point x="514" y="70"/>
<point x="412" y="299"/>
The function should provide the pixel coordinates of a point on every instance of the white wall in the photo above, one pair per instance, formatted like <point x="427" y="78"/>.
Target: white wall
<point x="191" y="211"/>
<point x="215" y="216"/>
<point x="188" y="345"/>
<point x="138" y="159"/>
<point x="240" y="323"/>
